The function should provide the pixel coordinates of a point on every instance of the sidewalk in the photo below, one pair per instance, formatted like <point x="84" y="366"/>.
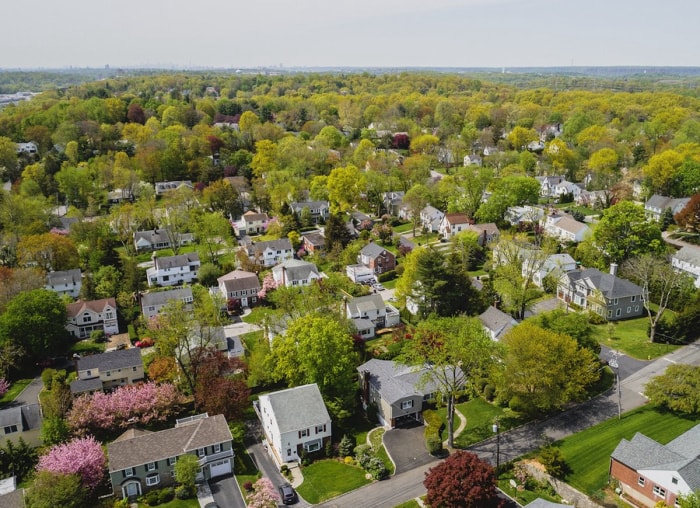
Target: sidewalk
<point x="204" y="494"/>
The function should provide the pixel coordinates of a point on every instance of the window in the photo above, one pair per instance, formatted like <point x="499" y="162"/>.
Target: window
<point x="217" y="448"/>
<point x="320" y="428"/>
<point x="312" y="447"/>
<point x="108" y="373"/>
<point x="609" y="313"/>
<point x="640" y="481"/>
<point x="659" y="491"/>
<point x="674" y="480"/>
<point x="636" y="308"/>
<point x="129" y="472"/>
<point x="153" y="480"/>
<point x="304" y="433"/>
<point x="629" y="309"/>
<point x="88" y="373"/>
<point x="10" y="429"/>
<point x="171" y="461"/>
<point x="634" y="298"/>
<point x="201" y="452"/>
<point x="134" y="368"/>
<point x="407" y="404"/>
<point x="618" y="312"/>
<point x="615" y="301"/>
<point x="151" y="466"/>
<point x="109" y="315"/>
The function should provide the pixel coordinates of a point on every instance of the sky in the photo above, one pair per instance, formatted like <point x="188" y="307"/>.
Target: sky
<point x="357" y="33"/>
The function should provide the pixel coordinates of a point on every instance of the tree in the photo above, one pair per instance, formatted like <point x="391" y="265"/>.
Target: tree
<point x="465" y="247"/>
<point x="35" y="321"/>
<point x="221" y="387"/>
<point x="520" y="137"/>
<point x="8" y="159"/>
<point x="624" y="232"/>
<point x="49" y="251"/>
<point x="417" y="198"/>
<point x="544" y="369"/>
<point x="456" y="350"/>
<point x="264" y="495"/>
<point x="345" y="186"/>
<point x="691" y="500"/>
<point x="462" y="480"/>
<point x="186" y="471"/>
<point x="81" y="456"/>
<point x="574" y="324"/>
<point x="688" y="220"/>
<point x="336" y="232"/>
<point x="318" y="349"/>
<point x="661" y="284"/>
<point x="50" y="489"/>
<point x="678" y="389"/>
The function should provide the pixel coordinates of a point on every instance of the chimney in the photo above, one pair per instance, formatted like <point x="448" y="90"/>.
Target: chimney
<point x="613" y="269"/>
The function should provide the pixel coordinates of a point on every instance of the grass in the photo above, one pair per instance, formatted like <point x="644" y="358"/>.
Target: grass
<point x="257" y="314"/>
<point x="630" y="337"/>
<point x="243" y="467"/>
<point x="177" y="503"/>
<point x="375" y="437"/>
<point x="587" y="453"/>
<point x="14" y="390"/>
<point x="87" y="346"/>
<point x="326" y="479"/>
<point x="405" y="228"/>
<point x="524" y="496"/>
<point x="409" y="504"/>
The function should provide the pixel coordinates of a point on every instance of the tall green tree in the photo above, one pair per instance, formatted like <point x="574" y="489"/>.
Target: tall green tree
<point x="624" y="232"/>
<point x="678" y="389"/>
<point x="49" y="490"/>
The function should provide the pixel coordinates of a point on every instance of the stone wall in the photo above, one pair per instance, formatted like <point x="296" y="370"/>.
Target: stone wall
<point x="571" y="495"/>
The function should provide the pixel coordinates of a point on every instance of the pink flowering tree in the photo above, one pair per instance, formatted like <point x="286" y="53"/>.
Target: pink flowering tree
<point x="264" y="495"/>
<point x="268" y="285"/>
<point x="143" y="403"/>
<point x="82" y="456"/>
<point x="4" y="386"/>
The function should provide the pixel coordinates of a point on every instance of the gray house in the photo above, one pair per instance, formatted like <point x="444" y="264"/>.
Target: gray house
<point x="141" y="460"/>
<point x="319" y="210"/>
<point x="152" y="303"/>
<point x="603" y="293"/>
<point x="21" y="421"/>
<point x="657" y="205"/>
<point x="106" y="371"/>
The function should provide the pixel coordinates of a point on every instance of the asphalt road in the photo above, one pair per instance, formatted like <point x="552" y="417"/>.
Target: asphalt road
<point x="226" y="493"/>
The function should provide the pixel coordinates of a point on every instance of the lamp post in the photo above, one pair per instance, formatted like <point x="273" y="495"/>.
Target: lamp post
<point x="496" y="430"/>
<point x="615" y="365"/>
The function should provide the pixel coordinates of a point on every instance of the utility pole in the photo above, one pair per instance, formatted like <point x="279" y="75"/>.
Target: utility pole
<point x="615" y="365"/>
<point x="496" y="430"/>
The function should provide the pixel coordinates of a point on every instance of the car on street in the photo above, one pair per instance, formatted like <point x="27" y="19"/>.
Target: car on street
<point x="288" y="494"/>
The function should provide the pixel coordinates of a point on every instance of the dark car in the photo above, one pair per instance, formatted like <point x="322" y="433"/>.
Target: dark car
<point x="287" y="494"/>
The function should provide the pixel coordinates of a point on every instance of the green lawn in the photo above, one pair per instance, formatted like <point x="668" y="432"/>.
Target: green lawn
<point x="409" y="504"/>
<point x="587" y="453"/>
<point x="525" y="496"/>
<point x="375" y="437"/>
<point x="15" y="389"/>
<point x="326" y="479"/>
<point x="243" y="467"/>
<point x="176" y="503"/>
<point x="257" y="314"/>
<point x="630" y="337"/>
<point x="405" y="228"/>
<point x="88" y="346"/>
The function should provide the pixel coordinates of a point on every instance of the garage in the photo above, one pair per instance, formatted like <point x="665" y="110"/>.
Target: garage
<point x="220" y="468"/>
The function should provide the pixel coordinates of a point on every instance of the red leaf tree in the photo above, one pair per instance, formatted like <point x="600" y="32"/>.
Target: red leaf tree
<point x="462" y="480"/>
<point x="221" y="388"/>
<point x="82" y="456"/>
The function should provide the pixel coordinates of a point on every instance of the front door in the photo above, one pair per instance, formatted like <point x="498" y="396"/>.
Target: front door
<point x="132" y="489"/>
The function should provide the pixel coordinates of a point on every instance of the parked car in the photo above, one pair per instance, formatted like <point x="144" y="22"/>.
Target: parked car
<point x="379" y="287"/>
<point x="288" y="494"/>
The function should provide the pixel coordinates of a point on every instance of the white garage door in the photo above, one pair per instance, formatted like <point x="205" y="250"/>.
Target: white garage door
<point x="220" y="467"/>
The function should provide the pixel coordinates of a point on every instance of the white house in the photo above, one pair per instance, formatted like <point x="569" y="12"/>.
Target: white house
<point x="272" y="252"/>
<point x="374" y="308"/>
<point x="516" y="215"/>
<point x="453" y="223"/>
<point x="565" y="187"/>
<point x="556" y="264"/>
<point x="66" y="282"/>
<point x="430" y="218"/>
<point x="360" y="273"/>
<point x="657" y="205"/>
<point x="252" y="223"/>
<point x="96" y="315"/>
<point x="566" y="228"/>
<point x="156" y="239"/>
<point x="294" y="420"/>
<point x="548" y="184"/>
<point x="488" y="232"/>
<point x="240" y="285"/>
<point x="496" y="323"/>
<point x="294" y="272"/>
<point x="152" y="303"/>
<point x="319" y="210"/>
<point x="173" y="270"/>
<point x="472" y="160"/>
<point x="687" y="260"/>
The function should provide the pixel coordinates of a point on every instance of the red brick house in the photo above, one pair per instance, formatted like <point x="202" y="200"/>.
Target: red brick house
<point x="649" y="472"/>
<point x="377" y="258"/>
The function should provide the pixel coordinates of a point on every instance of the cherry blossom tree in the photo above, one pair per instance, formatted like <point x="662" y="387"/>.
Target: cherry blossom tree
<point x="268" y="285"/>
<point x="4" y="386"/>
<point x="82" y="456"/>
<point x="264" y="495"/>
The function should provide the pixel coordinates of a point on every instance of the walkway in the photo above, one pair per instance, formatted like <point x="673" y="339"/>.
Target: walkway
<point x="462" y="425"/>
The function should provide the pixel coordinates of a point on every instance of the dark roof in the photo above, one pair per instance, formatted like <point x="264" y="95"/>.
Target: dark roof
<point x="113" y="360"/>
<point x="315" y="238"/>
<point x="64" y="277"/>
<point x="154" y="446"/>
<point x="373" y="250"/>
<point x="86" y="385"/>
<point x="608" y="284"/>
<point x="280" y="244"/>
<point x="166" y="262"/>
<point x="497" y="321"/>
<point x="541" y="503"/>
<point x="239" y="280"/>
<point x="163" y="297"/>
<point x="26" y="417"/>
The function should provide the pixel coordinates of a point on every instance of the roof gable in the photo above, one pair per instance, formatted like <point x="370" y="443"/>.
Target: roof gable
<point x="286" y="406"/>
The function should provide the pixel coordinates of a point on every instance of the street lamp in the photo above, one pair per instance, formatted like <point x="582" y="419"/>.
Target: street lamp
<point x="615" y="365"/>
<point x="496" y="430"/>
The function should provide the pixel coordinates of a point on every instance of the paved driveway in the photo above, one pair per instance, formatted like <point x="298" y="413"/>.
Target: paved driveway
<point x="406" y="447"/>
<point x="226" y="493"/>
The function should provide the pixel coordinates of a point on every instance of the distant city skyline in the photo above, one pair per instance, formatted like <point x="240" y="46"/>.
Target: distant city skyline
<point x="363" y="33"/>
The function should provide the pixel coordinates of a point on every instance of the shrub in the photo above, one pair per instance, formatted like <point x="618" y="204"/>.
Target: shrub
<point x="517" y="405"/>
<point x="183" y="492"/>
<point x="432" y="433"/>
<point x="375" y="467"/>
<point x="47" y="378"/>
<point x="348" y="460"/>
<point x="328" y="448"/>
<point x="489" y="392"/>
<point x="387" y="276"/>
<point x="248" y="486"/>
<point x="595" y="319"/>
<point x="346" y="445"/>
<point x="553" y="461"/>
<point x="151" y="498"/>
<point x="363" y="453"/>
<point x="166" y="495"/>
<point x="434" y="445"/>
<point x="284" y="469"/>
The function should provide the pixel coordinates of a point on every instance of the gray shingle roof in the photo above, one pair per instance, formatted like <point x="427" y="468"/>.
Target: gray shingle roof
<point x="113" y="360"/>
<point x="239" y="280"/>
<point x="497" y="321"/>
<point x="364" y="303"/>
<point x="296" y="269"/>
<point x="373" y="250"/>
<point x="280" y="244"/>
<point x="64" y="277"/>
<point x="311" y="205"/>
<point x="541" y="503"/>
<point x="689" y="254"/>
<point x="86" y="385"/>
<point x="163" y="297"/>
<point x="165" y="262"/>
<point x="26" y="417"/>
<point x="154" y="446"/>
<point x="297" y="408"/>
<point x="608" y="284"/>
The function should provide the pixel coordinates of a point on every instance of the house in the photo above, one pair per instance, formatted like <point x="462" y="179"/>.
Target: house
<point x="294" y="272"/>
<point x="649" y="472"/>
<point x="565" y="228"/>
<point x="391" y="201"/>
<point x="10" y="495"/>
<point x="252" y="223"/>
<point x="153" y="302"/>
<point x="398" y="391"/>
<point x="565" y="188"/>
<point x="173" y="270"/>
<point x="374" y="308"/>
<point x="593" y="199"/>
<point x="313" y="242"/>
<point x="472" y="160"/>
<point x="430" y="218"/>
<point x="360" y="274"/>
<point x="519" y="215"/>
<point x="604" y="293"/>
<point x="496" y="323"/>
<point x="164" y="187"/>
<point x="96" y="315"/>
<point x="319" y="210"/>
<point x="117" y="196"/>
<point x="657" y="205"/>
<point x="377" y="258"/>
<point x="242" y="188"/>
<point x="294" y="421"/>
<point x="488" y="232"/>
<point x="157" y="239"/>
<point x="445" y="156"/>
<point x="68" y="282"/>
<point x="687" y="260"/>
<point x="556" y="264"/>
<point x="453" y="223"/>
<point x="548" y="185"/>
<point x="106" y="371"/>
<point x="141" y="460"/>
<point x="542" y="503"/>
<point x="364" y="327"/>
<point x="21" y="421"/>
<point x="240" y="286"/>
<point x="28" y="147"/>
<point x="271" y="252"/>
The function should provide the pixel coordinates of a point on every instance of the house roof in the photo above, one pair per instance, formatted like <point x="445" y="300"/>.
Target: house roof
<point x="362" y="323"/>
<point x="163" y="297"/>
<point x="489" y="227"/>
<point x="366" y="303"/>
<point x="497" y="321"/>
<point x="541" y="503"/>
<point x="373" y="250"/>
<point x="121" y="359"/>
<point x="557" y="261"/>
<point x="64" y="277"/>
<point x="311" y="205"/>
<point x="571" y="225"/>
<point x="86" y="385"/>
<point x="239" y="280"/>
<point x="153" y="446"/>
<point x="608" y="284"/>
<point x="297" y="408"/>
<point x="280" y="244"/>
<point x="26" y="417"/>
<point x="296" y="269"/>
<point x="315" y="238"/>
<point x="251" y="216"/>
<point x="76" y="308"/>
<point x="395" y="381"/>
<point x="165" y="262"/>
<point x="152" y="236"/>
<point x="689" y="254"/>
<point x="456" y="218"/>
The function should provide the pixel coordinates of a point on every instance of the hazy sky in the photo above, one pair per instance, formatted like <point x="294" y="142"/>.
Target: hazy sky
<point x="364" y="33"/>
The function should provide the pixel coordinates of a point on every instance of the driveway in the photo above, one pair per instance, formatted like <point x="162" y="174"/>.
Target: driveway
<point x="406" y="447"/>
<point x="226" y="493"/>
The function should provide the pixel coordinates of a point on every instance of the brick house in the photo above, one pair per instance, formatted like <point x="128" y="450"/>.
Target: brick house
<point x="377" y="258"/>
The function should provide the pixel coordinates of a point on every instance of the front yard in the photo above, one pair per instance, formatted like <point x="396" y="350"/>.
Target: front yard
<point x="326" y="479"/>
<point x="15" y="389"/>
<point x="630" y="337"/>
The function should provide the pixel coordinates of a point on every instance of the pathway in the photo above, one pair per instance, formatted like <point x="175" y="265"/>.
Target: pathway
<point x="459" y="429"/>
